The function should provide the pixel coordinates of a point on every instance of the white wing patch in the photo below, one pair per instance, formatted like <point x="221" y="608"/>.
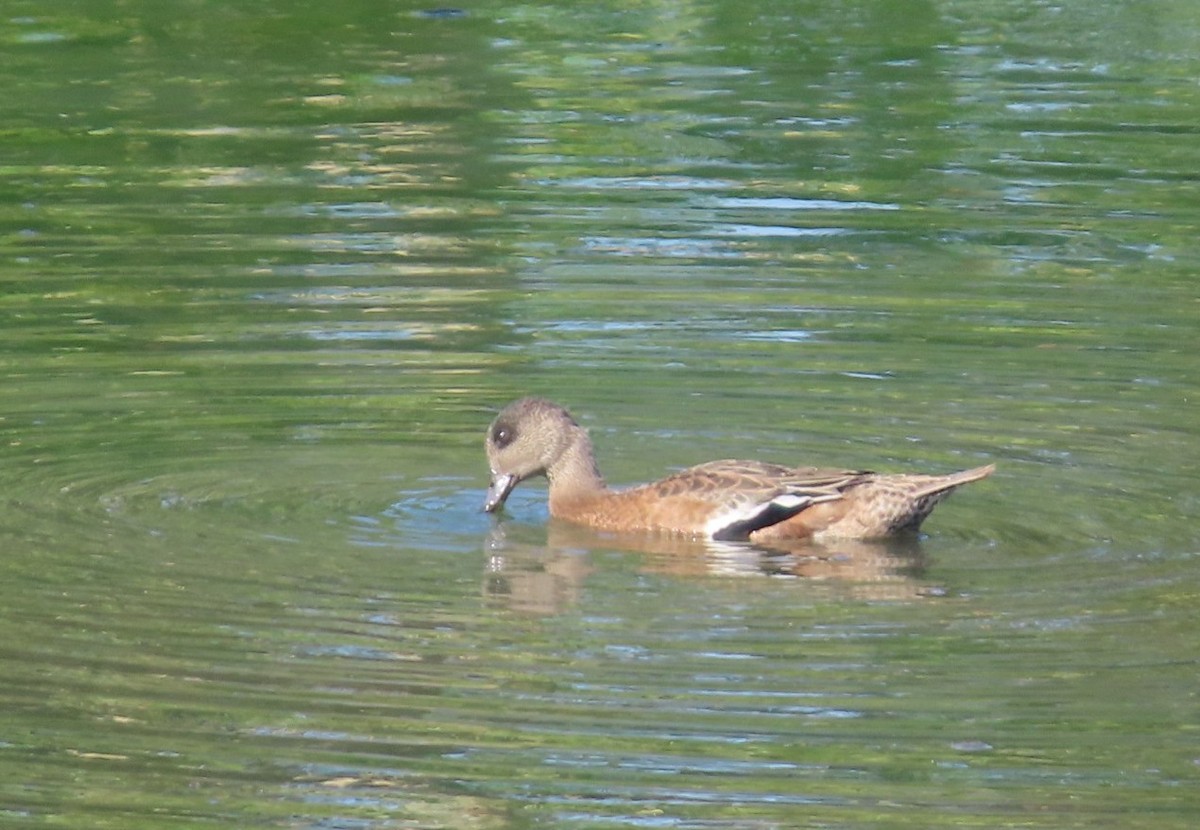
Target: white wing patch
<point x="739" y="520"/>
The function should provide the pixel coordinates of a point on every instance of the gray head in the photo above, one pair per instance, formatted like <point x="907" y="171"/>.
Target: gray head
<point x="526" y="439"/>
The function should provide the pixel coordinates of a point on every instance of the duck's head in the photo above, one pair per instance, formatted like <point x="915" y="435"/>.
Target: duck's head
<point x="528" y="438"/>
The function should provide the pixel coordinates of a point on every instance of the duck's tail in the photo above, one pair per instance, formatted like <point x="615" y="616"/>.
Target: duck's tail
<point x="942" y="484"/>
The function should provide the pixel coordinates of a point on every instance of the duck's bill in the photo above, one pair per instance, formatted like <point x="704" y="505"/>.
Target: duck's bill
<point x="498" y="491"/>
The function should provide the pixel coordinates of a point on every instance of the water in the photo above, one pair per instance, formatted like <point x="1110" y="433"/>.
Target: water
<point x="267" y="273"/>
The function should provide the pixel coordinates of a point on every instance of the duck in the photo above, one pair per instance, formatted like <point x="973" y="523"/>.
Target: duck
<point x="726" y="500"/>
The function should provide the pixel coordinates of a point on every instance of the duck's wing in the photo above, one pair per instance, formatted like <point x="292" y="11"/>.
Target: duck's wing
<point x="741" y="497"/>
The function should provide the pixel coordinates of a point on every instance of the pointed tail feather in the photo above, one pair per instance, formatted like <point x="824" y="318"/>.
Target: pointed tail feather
<point x="943" y="483"/>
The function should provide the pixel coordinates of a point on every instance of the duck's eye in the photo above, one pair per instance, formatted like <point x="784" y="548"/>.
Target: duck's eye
<point x="503" y="435"/>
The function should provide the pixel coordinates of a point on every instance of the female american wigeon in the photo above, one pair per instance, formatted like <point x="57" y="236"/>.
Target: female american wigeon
<point x="723" y="500"/>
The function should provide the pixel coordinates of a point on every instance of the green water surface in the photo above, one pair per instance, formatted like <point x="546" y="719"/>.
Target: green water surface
<point x="268" y="269"/>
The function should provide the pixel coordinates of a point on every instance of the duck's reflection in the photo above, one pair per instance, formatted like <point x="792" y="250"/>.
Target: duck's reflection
<point x="536" y="577"/>
<point x="532" y="578"/>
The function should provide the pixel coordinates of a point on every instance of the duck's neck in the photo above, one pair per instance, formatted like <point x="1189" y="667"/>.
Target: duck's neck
<point x="574" y="475"/>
